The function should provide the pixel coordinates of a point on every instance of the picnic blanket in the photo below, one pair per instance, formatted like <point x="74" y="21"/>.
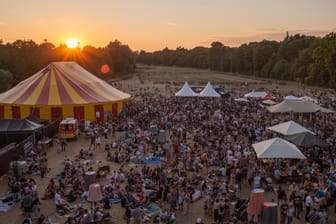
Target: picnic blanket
<point x="131" y="164"/>
<point x="115" y="200"/>
<point x="152" y="209"/>
<point x="197" y="195"/>
<point x="154" y="160"/>
<point x="5" y="206"/>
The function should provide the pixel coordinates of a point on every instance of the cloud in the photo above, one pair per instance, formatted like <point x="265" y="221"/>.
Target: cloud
<point x="2" y="23"/>
<point x="266" y="29"/>
<point x="171" y="24"/>
<point x="277" y="35"/>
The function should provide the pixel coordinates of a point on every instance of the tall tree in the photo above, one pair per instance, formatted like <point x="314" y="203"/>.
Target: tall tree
<point x="6" y="80"/>
<point x="215" y="54"/>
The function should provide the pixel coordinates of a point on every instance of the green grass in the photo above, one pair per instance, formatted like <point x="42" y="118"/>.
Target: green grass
<point x="118" y="77"/>
<point x="164" y="74"/>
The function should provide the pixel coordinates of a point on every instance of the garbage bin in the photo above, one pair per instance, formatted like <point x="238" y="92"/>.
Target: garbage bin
<point x="270" y="213"/>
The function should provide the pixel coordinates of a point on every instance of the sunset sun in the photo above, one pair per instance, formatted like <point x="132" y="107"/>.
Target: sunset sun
<point x="72" y="43"/>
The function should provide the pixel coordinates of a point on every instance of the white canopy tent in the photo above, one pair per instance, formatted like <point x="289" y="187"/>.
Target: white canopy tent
<point x="186" y="91"/>
<point x="255" y="94"/>
<point x="308" y="98"/>
<point x="241" y="100"/>
<point x="209" y="91"/>
<point x="292" y="98"/>
<point x="287" y="106"/>
<point x="289" y="128"/>
<point x="277" y="148"/>
<point x="268" y="102"/>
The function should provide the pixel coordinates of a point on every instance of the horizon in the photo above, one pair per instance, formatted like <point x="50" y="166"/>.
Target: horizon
<point x="153" y="25"/>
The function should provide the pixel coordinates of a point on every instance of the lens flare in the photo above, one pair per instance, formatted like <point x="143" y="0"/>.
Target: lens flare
<point x="105" y="69"/>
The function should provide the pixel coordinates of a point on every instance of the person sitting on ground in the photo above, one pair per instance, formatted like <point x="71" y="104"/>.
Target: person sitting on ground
<point x="41" y="219"/>
<point x="27" y="220"/>
<point x="109" y="156"/>
<point x="199" y="221"/>
<point x="86" y="218"/>
<point x="84" y="195"/>
<point x="61" y="206"/>
<point x="70" y="220"/>
<point x="79" y="213"/>
<point x="100" y="214"/>
<point x="106" y="203"/>
<point x="71" y="196"/>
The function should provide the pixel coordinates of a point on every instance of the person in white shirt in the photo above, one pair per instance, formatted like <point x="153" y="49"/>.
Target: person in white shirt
<point x="223" y="171"/>
<point x="58" y="198"/>
<point x="60" y="203"/>
<point x="309" y="204"/>
<point x="290" y="214"/>
<point x="257" y="180"/>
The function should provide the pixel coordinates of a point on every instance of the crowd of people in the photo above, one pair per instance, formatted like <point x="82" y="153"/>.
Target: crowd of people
<point x="204" y="151"/>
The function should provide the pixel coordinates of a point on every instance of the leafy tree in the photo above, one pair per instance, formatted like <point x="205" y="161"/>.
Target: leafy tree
<point x="301" y="64"/>
<point x="235" y="60"/>
<point x="215" y="55"/>
<point x="23" y="58"/>
<point x="266" y="71"/>
<point x="280" y="70"/>
<point x="6" y="80"/>
<point x="262" y="52"/>
<point x="198" y="57"/>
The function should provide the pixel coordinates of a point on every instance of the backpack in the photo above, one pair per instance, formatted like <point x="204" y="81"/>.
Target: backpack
<point x="27" y="221"/>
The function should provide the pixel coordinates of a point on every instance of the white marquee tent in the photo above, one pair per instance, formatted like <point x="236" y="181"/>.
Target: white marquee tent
<point x="186" y="91"/>
<point x="269" y="102"/>
<point x="209" y="91"/>
<point x="292" y="98"/>
<point x="277" y="148"/>
<point x="287" y="106"/>
<point x="308" y="98"/>
<point x="255" y="94"/>
<point x="289" y="128"/>
<point x="241" y="100"/>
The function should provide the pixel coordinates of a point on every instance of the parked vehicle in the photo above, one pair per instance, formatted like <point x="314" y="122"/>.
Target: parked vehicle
<point x="68" y="128"/>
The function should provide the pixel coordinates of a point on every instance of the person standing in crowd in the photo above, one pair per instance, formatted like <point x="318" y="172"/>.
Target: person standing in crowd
<point x="297" y="202"/>
<point x="63" y="144"/>
<point x="137" y="215"/>
<point x="283" y="211"/>
<point x="97" y="142"/>
<point x="290" y="214"/>
<point x="27" y="203"/>
<point x="309" y="204"/>
<point x="36" y="206"/>
<point x="128" y="215"/>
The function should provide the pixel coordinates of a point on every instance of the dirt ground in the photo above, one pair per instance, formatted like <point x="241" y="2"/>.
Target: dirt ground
<point x="55" y="159"/>
<point x="147" y="77"/>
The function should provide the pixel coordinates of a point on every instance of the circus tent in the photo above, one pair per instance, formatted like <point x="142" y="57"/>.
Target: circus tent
<point x="60" y="90"/>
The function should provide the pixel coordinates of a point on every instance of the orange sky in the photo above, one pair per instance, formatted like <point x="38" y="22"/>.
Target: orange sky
<point x="156" y="24"/>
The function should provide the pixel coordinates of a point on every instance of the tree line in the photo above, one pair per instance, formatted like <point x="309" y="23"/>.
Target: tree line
<point x="23" y="58"/>
<point x="304" y="59"/>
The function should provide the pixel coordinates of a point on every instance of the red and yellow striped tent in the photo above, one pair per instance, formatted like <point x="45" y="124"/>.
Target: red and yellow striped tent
<point x="60" y="90"/>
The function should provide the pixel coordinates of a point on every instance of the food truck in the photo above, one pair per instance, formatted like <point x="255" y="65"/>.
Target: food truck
<point x="68" y="128"/>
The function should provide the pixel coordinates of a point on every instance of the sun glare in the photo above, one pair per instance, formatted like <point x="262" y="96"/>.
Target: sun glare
<point x="72" y="43"/>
